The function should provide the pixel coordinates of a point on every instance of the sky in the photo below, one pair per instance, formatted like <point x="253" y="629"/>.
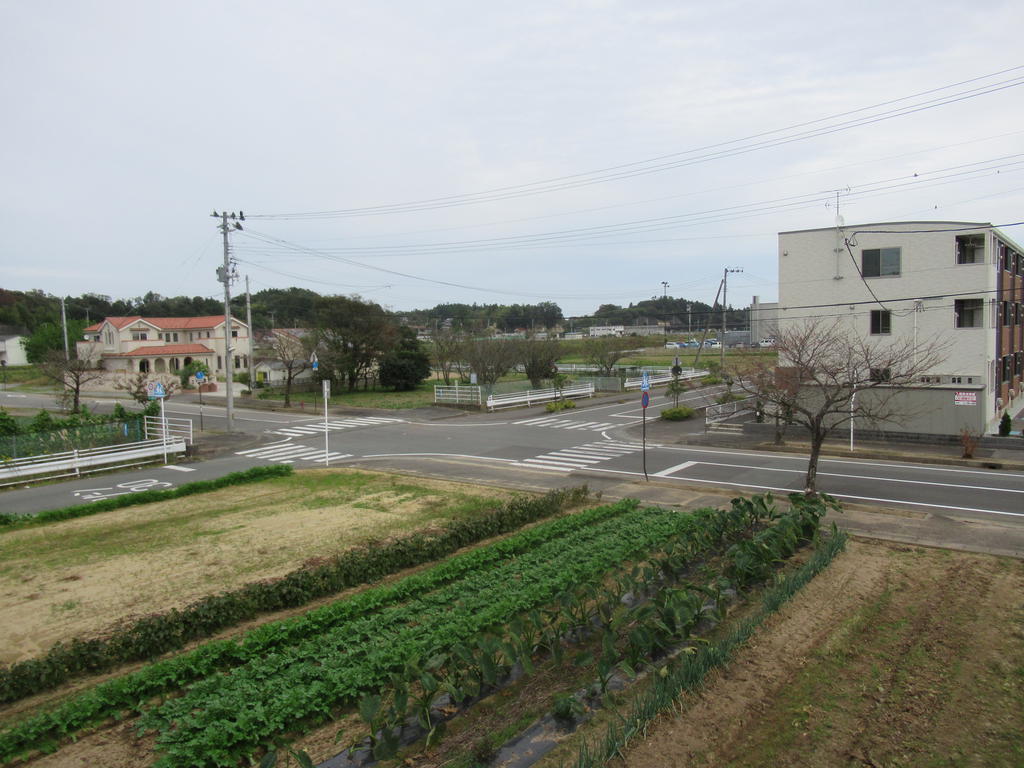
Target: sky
<point x="582" y="152"/>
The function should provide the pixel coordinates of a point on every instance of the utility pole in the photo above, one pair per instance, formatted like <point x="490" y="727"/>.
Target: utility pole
<point x="252" y="336"/>
<point x="64" y="325"/>
<point x="664" y="289"/>
<point x="725" y="288"/>
<point x="226" y="274"/>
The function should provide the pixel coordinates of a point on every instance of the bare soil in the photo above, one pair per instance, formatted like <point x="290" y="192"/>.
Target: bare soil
<point x="81" y="577"/>
<point x="895" y="656"/>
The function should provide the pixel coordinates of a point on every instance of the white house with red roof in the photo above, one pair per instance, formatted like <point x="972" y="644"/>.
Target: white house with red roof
<point x="165" y="344"/>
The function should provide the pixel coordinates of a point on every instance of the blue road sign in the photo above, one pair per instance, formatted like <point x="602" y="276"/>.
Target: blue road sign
<point x="156" y="391"/>
<point x="645" y="383"/>
<point x="645" y="399"/>
<point x="200" y="376"/>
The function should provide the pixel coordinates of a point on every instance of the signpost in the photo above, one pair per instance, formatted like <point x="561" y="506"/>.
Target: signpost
<point x="645" y="400"/>
<point x="327" y="396"/>
<point x="157" y="392"/>
<point x="200" y="378"/>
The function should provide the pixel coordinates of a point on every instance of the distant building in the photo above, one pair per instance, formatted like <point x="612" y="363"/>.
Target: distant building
<point x="165" y="344"/>
<point x="764" y="320"/>
<point x="12" y="351"/>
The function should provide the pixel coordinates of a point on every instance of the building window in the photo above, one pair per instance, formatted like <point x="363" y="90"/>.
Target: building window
<point x="970" y="249"/>
<point x="881" y="322"/>
<point x="1008" y="368"/>
<point x="880" y="262"/>
<point x="967" y="313"/>
<point x="234" y="334"/>
<point x="140" y="336"/>
<point x="881" y="374"/>
<point x="218" y="362"/>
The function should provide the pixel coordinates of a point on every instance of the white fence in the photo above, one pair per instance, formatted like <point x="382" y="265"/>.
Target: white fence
<point x="76" y="463"/>
<point x="157" y="428"/>
<point x="534" y="396"/>
<point x="458" y="395"/>
<point x="663" y="378"/>
<point x="723" y="411"/>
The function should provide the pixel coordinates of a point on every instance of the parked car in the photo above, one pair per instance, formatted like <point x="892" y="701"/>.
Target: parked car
<point x="766" y="343"/>
<point x="712" y="343"/>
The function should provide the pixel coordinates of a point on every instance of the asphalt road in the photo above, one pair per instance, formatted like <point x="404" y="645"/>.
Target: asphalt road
<point x="599" y="444"/>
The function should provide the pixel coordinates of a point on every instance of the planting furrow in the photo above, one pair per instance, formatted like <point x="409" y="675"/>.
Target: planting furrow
<point x="130" y="692"/>
<point x="212" y="724"/>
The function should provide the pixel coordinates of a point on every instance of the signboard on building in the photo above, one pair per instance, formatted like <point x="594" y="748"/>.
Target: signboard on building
<point x="965" y="398"/>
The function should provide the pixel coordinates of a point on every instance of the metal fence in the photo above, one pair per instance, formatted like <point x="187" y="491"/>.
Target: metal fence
<point x="157" y="428"/>
<point x="70" y="438"/>
<point x="535" y="396"/>
<point x="723" y="411"/>
<point x="458" y="395"/>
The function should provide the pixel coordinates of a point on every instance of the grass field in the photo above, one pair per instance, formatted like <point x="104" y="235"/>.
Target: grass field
<point x="82" y="576"/>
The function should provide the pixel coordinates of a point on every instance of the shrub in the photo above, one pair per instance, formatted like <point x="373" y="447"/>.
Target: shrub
<point x="677" y="414"/>
<point x="728" y="397"/>
<point x="708" y="381"/>
<point x="560" y="405"/>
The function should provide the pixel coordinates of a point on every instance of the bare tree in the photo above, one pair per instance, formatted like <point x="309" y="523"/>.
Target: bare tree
<point x="70" y="375"/>
<point x="136" y="385"/>
<point x="826" y="376"/>
<point x="489" y="359"/>
<point x="293" y="353"/>
<point x="446" y="344"/>
<point x="604" y="352"/>
<point x="538" y="358"/>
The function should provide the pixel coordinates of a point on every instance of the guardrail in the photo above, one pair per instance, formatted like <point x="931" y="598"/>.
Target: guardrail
<point x="80" y="462"/>
<point x="458" y="395"/>
<point x="534" y="396"/>
<point x="723" y="411"/>
<point x="663" y="378"/>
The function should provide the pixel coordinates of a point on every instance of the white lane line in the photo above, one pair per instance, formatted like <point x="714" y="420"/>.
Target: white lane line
<point x="548" y="467"/>
<point x="176" y="468"/>
<point x="864" y="477"/>
<point x="676" y="468"/>
<point x="902" y="502"/>
<point x="452" y="455"/>
<point x="856" y="462"/>
<point x="551" y="463"/>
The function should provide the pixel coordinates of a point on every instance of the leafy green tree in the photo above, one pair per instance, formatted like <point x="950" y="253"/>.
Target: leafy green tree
<point x="49" y="337"/>
<point x="405" y="366"/>
<point x="351" y="336"/>
<point x="1005" y="425"/>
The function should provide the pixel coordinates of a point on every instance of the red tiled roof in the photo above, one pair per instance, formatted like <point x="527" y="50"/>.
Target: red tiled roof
<point x="164" y="349"/>
<point x="167" y="323"/>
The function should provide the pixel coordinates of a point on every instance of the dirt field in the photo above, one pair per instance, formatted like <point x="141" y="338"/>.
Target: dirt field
<point x="896" y="656"/>
<point x="78" y="578"/>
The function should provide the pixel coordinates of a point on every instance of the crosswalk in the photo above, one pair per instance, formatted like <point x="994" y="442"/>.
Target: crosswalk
<point x="581" y="457"/>
<point x="317" y="428"/>
<point x="288" y="453"/>
<point x="558" y="423"/>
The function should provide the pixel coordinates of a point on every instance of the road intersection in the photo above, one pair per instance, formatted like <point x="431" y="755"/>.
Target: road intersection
<point x="599" y="444"/>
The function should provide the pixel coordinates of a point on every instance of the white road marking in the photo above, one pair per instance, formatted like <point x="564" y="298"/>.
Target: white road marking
<point x="176" y="468"/>
<point x="676" y="468"/>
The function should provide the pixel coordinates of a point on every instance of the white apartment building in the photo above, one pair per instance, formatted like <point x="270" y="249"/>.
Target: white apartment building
<point x="165" y="344"/>
<point x="959" y="283"/>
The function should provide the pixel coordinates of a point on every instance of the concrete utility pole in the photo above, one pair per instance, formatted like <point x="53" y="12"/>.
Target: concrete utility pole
<point x="64" y="325"/>
<point x="226" y="274"/>
<point x="725" y="289"/>
<point x="248" y="321"/>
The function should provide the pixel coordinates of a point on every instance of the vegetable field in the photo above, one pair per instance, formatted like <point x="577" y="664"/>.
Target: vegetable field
<point x="616" y="588"/>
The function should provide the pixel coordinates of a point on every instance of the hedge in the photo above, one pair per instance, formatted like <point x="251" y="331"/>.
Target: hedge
<point x="254" y="475"/>
<point x="159" y="633"/>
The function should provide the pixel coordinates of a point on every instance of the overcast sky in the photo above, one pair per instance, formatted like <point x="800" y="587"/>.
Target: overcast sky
<point x="127" y="123"/>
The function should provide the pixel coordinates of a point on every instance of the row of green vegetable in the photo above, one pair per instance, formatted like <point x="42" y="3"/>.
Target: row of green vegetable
<point x="130" y="692"/>
<point x="153" y="635"/>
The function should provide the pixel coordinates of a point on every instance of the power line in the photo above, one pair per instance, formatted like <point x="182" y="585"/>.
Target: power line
<point x="720" y="150"/>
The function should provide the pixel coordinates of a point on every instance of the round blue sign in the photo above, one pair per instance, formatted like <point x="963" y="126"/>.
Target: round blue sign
<point x="200" y="375"/>
<point x="645" y="399"/>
